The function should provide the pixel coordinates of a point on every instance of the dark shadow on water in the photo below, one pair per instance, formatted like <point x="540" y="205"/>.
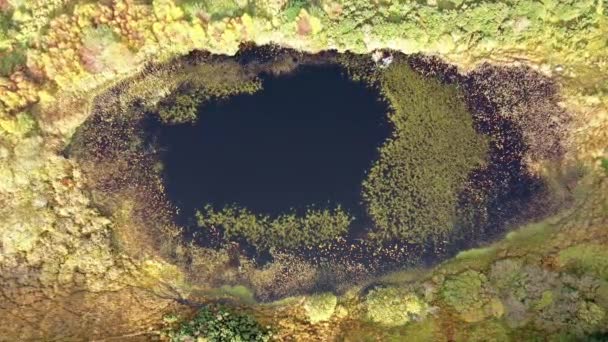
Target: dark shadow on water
<point x="305" y="139"/>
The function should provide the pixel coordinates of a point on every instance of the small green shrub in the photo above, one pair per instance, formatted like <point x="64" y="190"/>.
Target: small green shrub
<point x="293" y="9"/>
<point x="464" y="291"/>
<point x="392" y="306"/>
<point x="218" y="324"/>
<point x="586" y="259"/>
<point x="320" y="307"/>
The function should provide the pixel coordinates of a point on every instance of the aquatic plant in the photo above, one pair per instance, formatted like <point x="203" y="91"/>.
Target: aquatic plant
<point x="201" y="83"/>
<point x="216" y="324"/>
<point x="411" y="191"/>
<point x="289" y="231"/>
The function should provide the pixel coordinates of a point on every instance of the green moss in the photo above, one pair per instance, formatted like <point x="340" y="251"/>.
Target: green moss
<point x="392" y="306"/>
<point x="216" y="324"/>
<point x="183" y="108"/>
<point x="320" y="307"/>
<point x="586" y="259"/>
<point x="530" y="236"/>
<point x="411" y="191"/>
<point x="244" y="294"/>
<point x="284" y="231"/>
<point x="420" y="331"/>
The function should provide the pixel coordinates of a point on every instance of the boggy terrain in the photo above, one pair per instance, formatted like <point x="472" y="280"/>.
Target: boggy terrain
<point x="92" y="251"/>
<point x="506" y="120"/>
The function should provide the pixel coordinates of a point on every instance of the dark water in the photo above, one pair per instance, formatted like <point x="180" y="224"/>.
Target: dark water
<point x="305" y="139"/>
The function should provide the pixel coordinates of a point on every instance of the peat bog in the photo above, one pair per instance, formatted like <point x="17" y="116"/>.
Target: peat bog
<point x="309" y="136"/>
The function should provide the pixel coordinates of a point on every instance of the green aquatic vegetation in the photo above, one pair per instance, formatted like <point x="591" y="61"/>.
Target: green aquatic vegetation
<point x="201" y="83"/>
<point x="393" y="306"/>
<point x="411" y="191"/>
<point x="216" y="324"/>
<point x="180" y="109"/>
<point x="320" y="307"/>
<point x="288" y="231"/>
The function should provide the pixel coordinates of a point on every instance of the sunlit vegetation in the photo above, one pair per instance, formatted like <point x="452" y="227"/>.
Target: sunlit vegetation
<point x="392" y="306"/>
<point x="411" y="192"/>
<point x="217" y="324"/>
<point x="288" y="231"/>
<point x="61" y="280"/>
<point x="586" y="259"/>
<point x="202" y="83"/>
<point x="320" y="307"/>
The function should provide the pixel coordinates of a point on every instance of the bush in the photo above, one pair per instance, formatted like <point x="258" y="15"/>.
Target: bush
<point x="464" y="291"/>
<point x="219" y="324"/>
<point x="10" y="60"/>
<point x="320" y="307"/>
<point x="586" y="259"/>
<point x="393" y="306"/>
